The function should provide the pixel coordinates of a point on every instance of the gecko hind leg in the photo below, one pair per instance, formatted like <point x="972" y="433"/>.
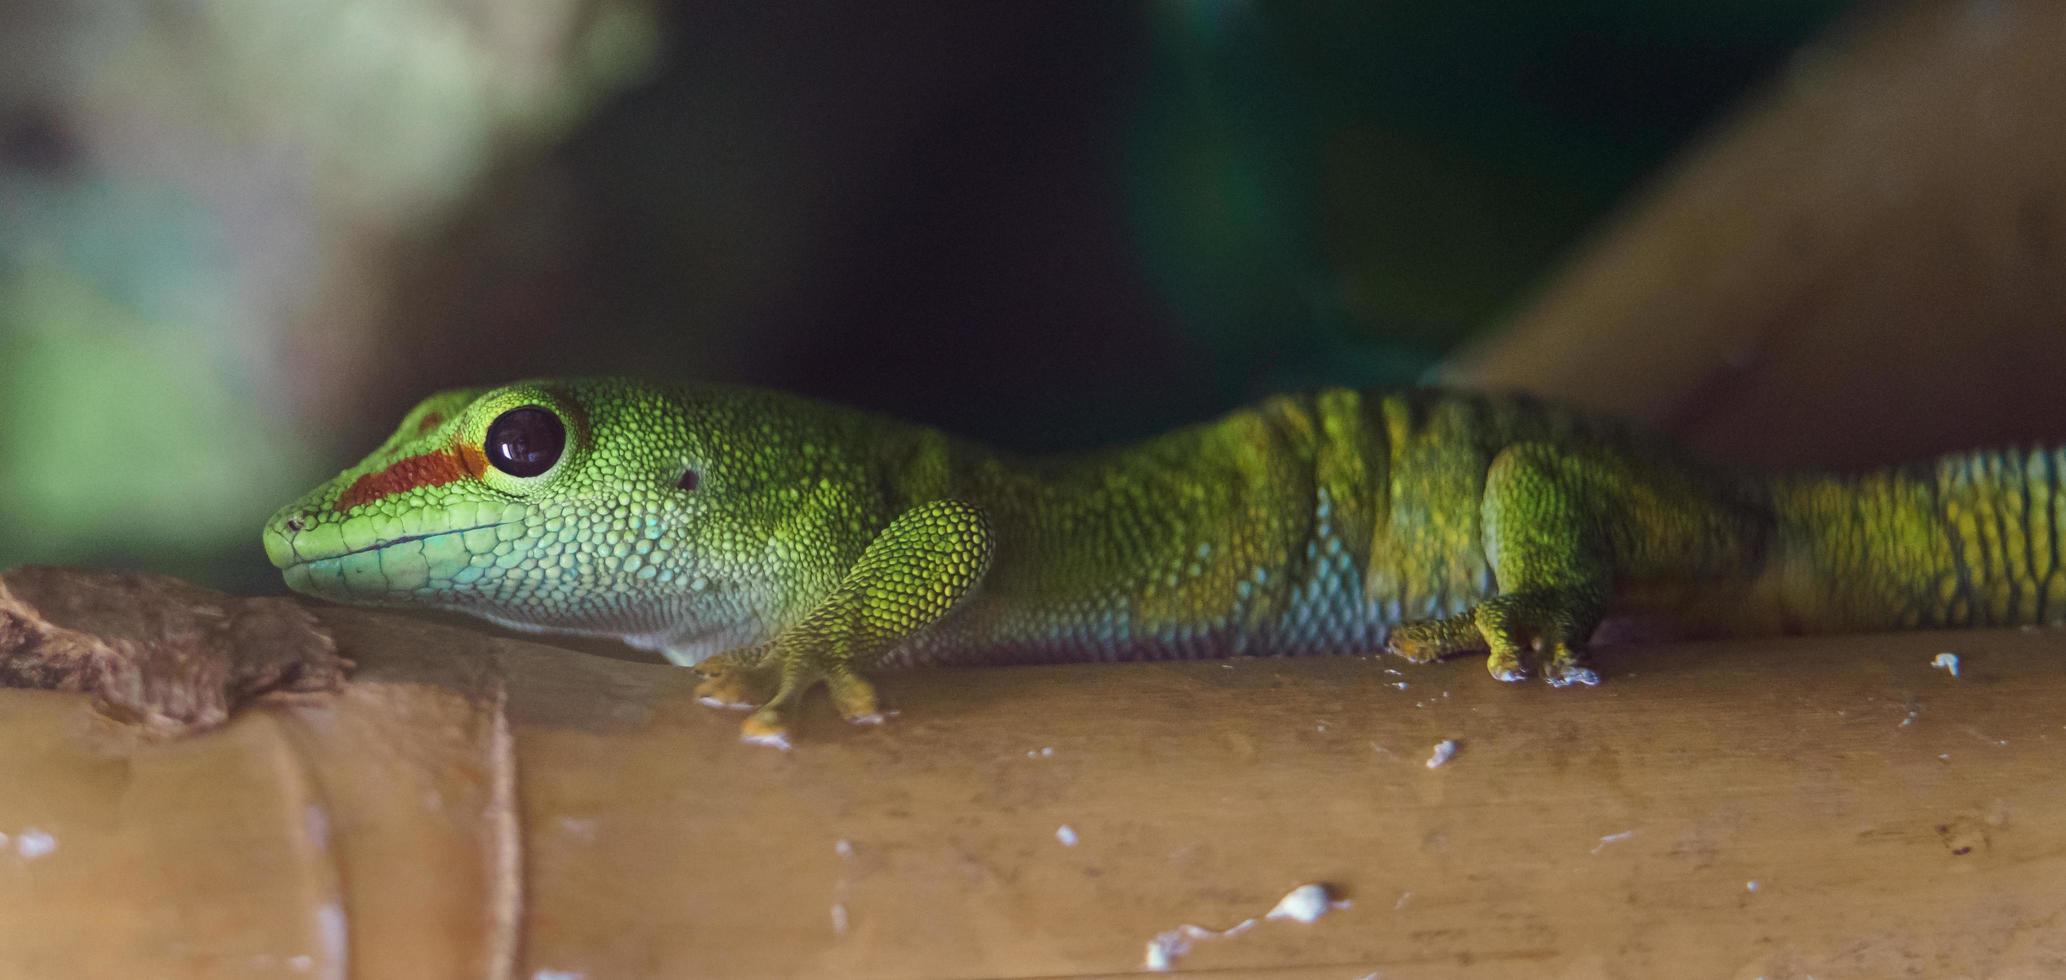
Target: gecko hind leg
<point x="1544" y="517"/>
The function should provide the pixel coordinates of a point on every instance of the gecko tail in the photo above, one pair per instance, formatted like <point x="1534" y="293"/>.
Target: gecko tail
<point x="1967" y="539"/>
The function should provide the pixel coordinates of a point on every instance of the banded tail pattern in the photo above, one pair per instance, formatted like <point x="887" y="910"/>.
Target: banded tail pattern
<point x="1969" y="539"/>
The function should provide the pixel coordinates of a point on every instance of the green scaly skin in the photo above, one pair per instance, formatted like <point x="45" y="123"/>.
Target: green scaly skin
<point x="811" y="543"/>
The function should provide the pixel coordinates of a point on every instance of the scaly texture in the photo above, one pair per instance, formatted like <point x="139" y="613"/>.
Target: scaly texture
<point x="808" y="543"/>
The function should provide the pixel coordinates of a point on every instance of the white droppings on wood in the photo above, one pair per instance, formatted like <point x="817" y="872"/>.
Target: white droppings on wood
<point x="32" y="843"/>
<point x="316" y="824"/>
<point x="1306" y="903"/>
<point x="1445" y="750"/>
<point x="334" y="932"/>
<point x="1066" y="834"/>
<point x="1302" y="904"/>
<point x="1612" y="839"/>
<point x="1164" y="949"/>
<point x="839" y="918"/>
<point x="1946" y="661"/>
<point x="579" y="828"/>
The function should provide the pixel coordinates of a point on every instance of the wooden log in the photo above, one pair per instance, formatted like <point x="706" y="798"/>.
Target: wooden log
<point x="476" y="806"/>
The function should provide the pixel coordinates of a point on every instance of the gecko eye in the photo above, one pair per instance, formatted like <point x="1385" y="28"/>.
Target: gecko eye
<point x="525" y="441"/>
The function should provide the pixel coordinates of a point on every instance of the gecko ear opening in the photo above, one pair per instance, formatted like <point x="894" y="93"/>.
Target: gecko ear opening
<point x="689" y="480"/>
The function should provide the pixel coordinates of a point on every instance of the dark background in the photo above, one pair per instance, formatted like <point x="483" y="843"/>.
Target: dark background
<point x="232" y="254"/>
<point x="1055" y="224"/>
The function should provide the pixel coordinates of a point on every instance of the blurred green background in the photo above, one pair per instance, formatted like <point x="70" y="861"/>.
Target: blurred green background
<point x="238" y="239"/>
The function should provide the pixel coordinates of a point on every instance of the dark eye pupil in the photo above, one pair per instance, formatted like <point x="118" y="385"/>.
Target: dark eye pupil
<point x="525" y="441"/>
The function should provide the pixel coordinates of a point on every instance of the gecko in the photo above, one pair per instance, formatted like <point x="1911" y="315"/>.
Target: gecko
<point x="777" y="543"/>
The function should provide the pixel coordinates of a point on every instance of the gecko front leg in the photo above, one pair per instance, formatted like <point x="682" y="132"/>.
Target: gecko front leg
<point x="910" y="576"/>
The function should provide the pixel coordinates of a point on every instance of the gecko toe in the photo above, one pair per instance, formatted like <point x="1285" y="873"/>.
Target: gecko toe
<point x="1569" y="676"/>
<point x="1506" y="666"/>
<point x="768" y="726"/>
<point x="738" y="687"/>
<point x="854" y="697"/>
<point x="1430" y="640"/>
<point x="1569" y="665"/>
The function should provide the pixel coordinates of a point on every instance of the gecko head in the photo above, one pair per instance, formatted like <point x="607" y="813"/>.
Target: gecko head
<point x="569" y="505"/>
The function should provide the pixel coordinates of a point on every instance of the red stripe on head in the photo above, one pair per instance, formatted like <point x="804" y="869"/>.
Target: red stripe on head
<point x="472" y="459"/>
<point x="428" y="470"/>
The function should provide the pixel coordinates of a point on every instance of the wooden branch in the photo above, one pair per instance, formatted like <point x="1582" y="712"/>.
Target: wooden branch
<point x="469" y="805"/>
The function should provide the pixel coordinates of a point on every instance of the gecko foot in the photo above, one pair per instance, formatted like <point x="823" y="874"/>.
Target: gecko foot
<point x="1506" y="665"/>
<point x="855" y="698"/>
<point x="739" y="680"/>
<point x="1431" y="640"/>
<point x="768" y="727"/>
<point x="1549" y="625"/>
<point x="772" y="687"/>
<point x="1569" y="665"/>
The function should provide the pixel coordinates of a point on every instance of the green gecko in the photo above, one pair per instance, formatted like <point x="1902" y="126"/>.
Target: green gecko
<point x="778" y="543"/>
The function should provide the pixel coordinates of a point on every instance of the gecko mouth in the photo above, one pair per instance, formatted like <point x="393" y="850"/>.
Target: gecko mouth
<point x="301" y="560"/>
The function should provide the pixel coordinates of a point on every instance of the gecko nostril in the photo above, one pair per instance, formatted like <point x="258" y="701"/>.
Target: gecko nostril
<point x="295" y="524"/>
